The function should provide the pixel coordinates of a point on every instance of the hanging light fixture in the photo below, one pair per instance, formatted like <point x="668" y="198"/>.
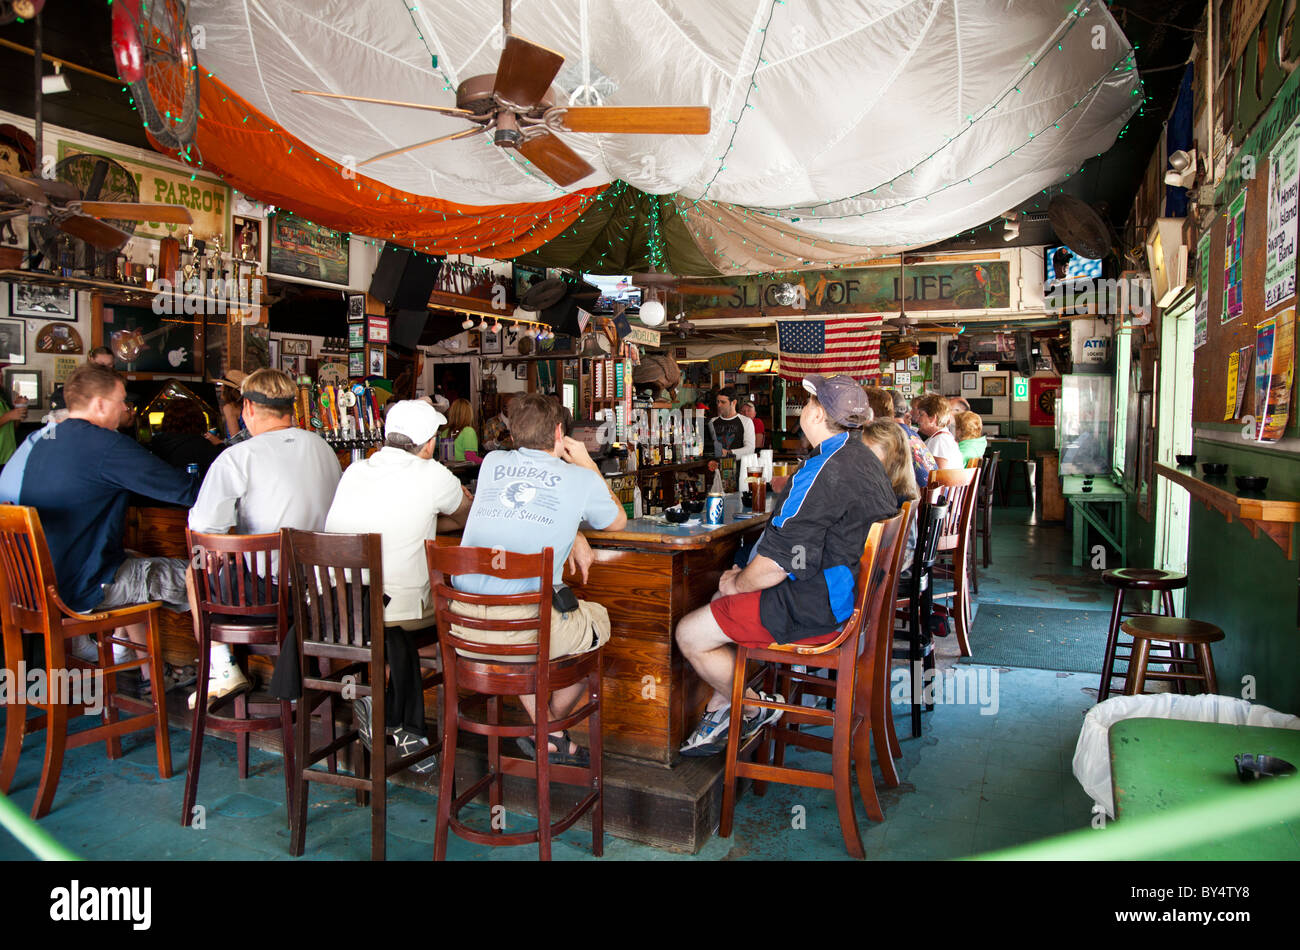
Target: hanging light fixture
<point x="652" y="312"/>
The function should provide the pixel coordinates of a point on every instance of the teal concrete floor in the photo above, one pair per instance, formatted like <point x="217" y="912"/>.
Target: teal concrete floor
<point x="971" y="783"/>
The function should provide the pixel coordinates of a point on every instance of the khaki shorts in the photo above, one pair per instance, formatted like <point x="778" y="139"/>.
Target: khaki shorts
<point x="578" y="631"/>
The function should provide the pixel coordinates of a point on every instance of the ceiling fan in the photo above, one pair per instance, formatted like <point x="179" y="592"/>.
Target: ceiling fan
<point x="519" y="106"/>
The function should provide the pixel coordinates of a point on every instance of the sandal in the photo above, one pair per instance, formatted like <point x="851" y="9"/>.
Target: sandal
<point x="581" y="758"/>
<point x="179" y="677"/>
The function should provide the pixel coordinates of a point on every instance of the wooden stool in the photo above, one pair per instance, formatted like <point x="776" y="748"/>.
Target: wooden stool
<point x="1172" y="630"/>
<point x="1127" y="579"/>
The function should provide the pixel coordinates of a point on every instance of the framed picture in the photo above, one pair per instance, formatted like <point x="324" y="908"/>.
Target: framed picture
<point x="914" y="364"/>
<point x="356" y="363"/>
<point x="377" y="329"/>
<point x="356" y="335"/>
<point x="143" y="341"/>
<point x="521" y="371"/>
<point x="273" y="352"/>
<point x="295" y="346"/>
<point x="356" y="308"/>
<point x="968" y="381"/>
<point x="992" y="385"/>
<point x="376" y="360"/>
<point x="13" y="341"/>
<point x="900" y="366"/>
<point x="886" y="379"/>
<point x="491" y="341"/>
<point x="291" y="365"/>
<point x="38" y="300"/>
<point x="299" y="248"/>
<point x="25" y="384"/>
<point x="475" y="339"/>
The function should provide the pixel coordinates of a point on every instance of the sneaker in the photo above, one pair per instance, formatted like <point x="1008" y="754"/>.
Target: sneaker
<point x="361" y="716"/>
<point x="710" y="736"/>
<point x="763" y="717"/>
<point x="222" y="681"/>
<point x="409" y="743"/>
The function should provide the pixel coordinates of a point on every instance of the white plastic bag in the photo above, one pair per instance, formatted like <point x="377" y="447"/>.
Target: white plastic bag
<point x="1092" y="754"/>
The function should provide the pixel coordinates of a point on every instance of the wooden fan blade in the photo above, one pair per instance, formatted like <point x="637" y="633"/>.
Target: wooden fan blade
<point x="138" y="211"/>
<point x="442" y="110"/>
<point x="23" y="187"/>
<point x="410" y="148"/>
<point x="98" y="233"/>
<point x="525" y="72"/>
<point x="555" y="160"/>
<point x="638" y="120"/>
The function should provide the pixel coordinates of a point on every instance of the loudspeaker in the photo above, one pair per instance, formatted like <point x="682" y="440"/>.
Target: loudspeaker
<point x="407" y="328"/>
<point x="927" y="348"/>
<point x="1024" y="354"/>
<point x="404" y="279"/>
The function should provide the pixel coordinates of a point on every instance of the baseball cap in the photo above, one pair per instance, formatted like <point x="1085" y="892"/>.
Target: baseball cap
<point x="842" y="398"/>
<point x="415" y="419"/>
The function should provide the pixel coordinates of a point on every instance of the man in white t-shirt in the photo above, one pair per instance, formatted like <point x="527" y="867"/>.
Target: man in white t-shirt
<point x="931" y="414"/>
<point x="733" y="433"/>
<point x="405" y="495"/>
<point x="280" y="477"/>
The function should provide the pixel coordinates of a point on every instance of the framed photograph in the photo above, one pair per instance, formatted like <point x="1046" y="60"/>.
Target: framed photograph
<point x="299" y="248"/>
<point x="376" y="360"/>
<point x="356" y="308"/>
<point x="25" y="384"/>
<point x="491" y="341"/>
<point x="143" y="341"/>
<point x="356" y="335"/>
<point x="992" y="385"/>
<point x="474" y="339"/>
<point x="521" y="371"/>
<point x="968" y="381"/>
<point x="356" y="363"/>
<point x="377" y="329"/>
<point x="914" y="364"/>
<point x="13" y="341"/>
<point x="295" y="346"/>
<point x="886" y="379"/>
<point x="291" y="365"/>
<point x="37" y="300"/>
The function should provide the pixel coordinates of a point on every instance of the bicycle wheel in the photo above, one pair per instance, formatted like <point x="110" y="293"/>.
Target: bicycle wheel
<point x="168" y="94"/>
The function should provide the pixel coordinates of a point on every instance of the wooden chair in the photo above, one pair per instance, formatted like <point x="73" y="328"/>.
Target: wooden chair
<point x="30" y="603"/>
<point x="335" y="618"/>
<point x="959" y="486"/>
<point x="1176" y="631"/>
<point x="239" y="603"/>
<point x="849" y="720"/>
<point x="914" y="608"/>
<point x="984" y="507"/>
<point x="516" y="669"/>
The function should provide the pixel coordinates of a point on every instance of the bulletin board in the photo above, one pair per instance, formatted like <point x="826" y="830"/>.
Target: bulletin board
<point x="1210" y="387"/>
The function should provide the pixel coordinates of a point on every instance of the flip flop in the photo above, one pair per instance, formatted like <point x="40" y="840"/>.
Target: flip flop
<point x="581" y="758"/>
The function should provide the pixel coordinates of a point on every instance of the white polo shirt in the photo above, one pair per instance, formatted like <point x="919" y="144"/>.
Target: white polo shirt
<point x="280" y="479"/>
<point x="399" y="496"/>
<point x="943" y="445"/>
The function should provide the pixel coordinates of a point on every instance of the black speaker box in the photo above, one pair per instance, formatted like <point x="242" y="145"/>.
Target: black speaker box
<point x="407" y="328"/>
<point x="404" y="279"/>
<point x="928" y="348"/>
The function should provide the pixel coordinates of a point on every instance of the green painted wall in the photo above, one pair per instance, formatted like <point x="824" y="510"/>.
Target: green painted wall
<point x="1247" y="586"/>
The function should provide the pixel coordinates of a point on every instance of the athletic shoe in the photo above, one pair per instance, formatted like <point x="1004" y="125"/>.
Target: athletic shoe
<point x="710" y="736"/>
<point x="409" y="743"/>
<point x="763" y="717"/>
<point x="361" y="716"/>
<point x="222" y="681"/>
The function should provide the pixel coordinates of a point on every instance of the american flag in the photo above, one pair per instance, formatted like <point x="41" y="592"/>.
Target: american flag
<point x="849" y="345"/>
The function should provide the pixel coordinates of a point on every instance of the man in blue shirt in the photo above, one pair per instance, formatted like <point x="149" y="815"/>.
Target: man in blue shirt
<point x="531" y="498"/>
<point x="79" y="476"/>
<point x="800" y="582"/>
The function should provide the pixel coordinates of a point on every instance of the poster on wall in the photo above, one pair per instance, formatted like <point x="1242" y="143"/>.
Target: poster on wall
<point x="1230" y="398"/>
<point x="299" y="248"/>
<point x="1043" y="391"/>
<point x="1244" y="366"/>
<point x="1202" y="330"/>
<point x="1283" y="203"/>
<point x="1274" y="373"/>
<point x="1234" y="239"/>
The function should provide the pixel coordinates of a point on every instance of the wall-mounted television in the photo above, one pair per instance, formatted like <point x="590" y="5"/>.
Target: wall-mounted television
<point x="614" y="290"/>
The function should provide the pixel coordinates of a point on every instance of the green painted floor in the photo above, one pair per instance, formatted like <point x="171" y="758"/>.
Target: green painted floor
<point x="973" y="782"/>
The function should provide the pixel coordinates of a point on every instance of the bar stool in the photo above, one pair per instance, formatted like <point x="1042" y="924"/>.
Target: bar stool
<point x="511" y="669"/>
<point x="1196" y="634"/>
<point x="1127" y="579"/>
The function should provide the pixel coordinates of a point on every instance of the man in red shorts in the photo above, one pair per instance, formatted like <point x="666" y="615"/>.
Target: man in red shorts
<point x="800" y="581"/>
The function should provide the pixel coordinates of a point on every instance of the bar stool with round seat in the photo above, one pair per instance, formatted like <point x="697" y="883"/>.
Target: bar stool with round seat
<point x="1124" y="580"/>
<point x="1196" y="634"/>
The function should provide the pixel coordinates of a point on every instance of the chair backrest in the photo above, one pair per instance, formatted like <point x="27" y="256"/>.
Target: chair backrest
<point x="234" y="575"/>
<point x="931" y="514"/>
<point x="27" y="569"/>
<point x="972" y="463"/>
<point x="959" y="486"/>
<point x="448" y="562"/>
<point x="331" y="605"/>
<point x="868" y="587"/>
<point x="879" y="651"/>
<point x="989" y="476"/>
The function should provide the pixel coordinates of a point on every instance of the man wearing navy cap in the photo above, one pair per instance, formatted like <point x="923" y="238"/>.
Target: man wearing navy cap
<point x="800" y="582"/>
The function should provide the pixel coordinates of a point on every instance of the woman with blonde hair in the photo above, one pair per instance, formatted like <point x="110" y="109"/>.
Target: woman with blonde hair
<point x="970" y="436"/>
<point x="890" y="444"/>
<point x="460" y="426"/>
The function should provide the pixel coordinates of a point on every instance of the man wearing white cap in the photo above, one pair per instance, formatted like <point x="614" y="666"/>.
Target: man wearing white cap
<point x="405" y="495"/>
